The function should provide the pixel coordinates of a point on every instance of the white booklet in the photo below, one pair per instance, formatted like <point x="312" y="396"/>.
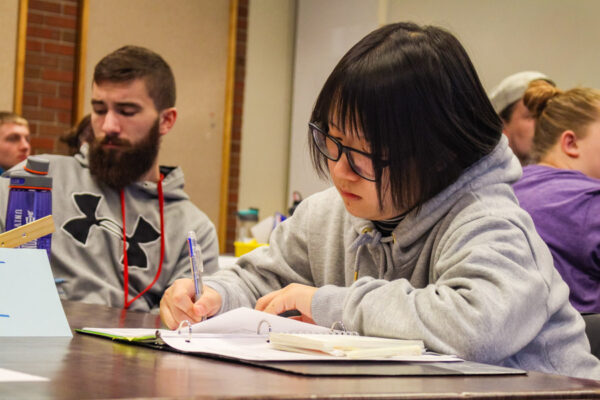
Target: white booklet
<point x="244" y="334"/>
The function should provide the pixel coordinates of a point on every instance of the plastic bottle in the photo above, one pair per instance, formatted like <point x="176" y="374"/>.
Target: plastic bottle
<point x="30" y="198"/>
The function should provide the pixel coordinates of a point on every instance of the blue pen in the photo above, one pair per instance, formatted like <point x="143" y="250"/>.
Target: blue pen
<point x="196" y="263"/>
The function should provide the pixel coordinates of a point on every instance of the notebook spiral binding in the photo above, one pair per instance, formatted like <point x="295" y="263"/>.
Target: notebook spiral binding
<point x="337" y="328"/>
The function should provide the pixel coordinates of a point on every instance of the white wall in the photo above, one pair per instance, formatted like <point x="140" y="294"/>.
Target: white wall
<point x="325" y="31"/>
<point x="557" y="37"/>
<point x="267" y="105"/>
<point x="9" y="13"/>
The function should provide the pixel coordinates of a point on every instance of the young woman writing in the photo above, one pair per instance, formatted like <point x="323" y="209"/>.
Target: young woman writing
<point x="421" y="236"/>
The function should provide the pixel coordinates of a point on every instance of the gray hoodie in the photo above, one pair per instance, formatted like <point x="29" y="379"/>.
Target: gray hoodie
<point x="468" y="274"/>
<point x="87" y="245"/>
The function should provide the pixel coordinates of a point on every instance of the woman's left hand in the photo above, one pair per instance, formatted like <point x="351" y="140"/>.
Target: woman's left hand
<point x="292" y="297"/>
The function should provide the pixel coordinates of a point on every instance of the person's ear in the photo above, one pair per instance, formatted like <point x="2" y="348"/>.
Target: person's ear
<point x="568" y="144"/>
<point x="167" y="120"/>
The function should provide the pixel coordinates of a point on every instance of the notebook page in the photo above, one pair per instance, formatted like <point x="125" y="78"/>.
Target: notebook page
<point x="247" y="320"/>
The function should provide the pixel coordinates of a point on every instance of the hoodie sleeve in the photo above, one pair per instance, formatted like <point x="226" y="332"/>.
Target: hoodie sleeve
<point x="267" y="268"/>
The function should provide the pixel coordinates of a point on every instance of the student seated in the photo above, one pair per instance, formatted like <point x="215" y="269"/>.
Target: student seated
<point x="121" y="219"/>
<point x="14" y="140"/>
<point x="422" y="236"/>
<point x="562" y="191"/>
<point x="517" y="121"/>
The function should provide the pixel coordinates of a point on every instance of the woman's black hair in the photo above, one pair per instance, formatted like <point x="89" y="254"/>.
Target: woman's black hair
<point x="413" y="94"/>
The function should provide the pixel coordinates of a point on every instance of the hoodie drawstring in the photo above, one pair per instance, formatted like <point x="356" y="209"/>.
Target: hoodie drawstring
<point x="361" y="240"/>
<point x="161" y="204"/>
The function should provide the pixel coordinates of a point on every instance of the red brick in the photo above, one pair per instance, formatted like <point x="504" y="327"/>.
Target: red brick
<point x="32" y="72"/>
<point x="53" y="130"/>
<point x="44" y="6"/>
<point x="40" y="87"/>
<point x="64" y="117"/>
<point x="61" y="22"/>
<point x="65" y="91"/>
<point x="233" y="197"/>
<point x="44" y="33"/>
<point x="37" y="114"/>
<point x="33" y="45"/>
<point x="69" y="9"/>
<point x="64" y="49"/>
<point x="34" y="18"/>
<point x="42" y="143"/>
<point x="33" y="128"/>
<point x="66" y="63"/>
<point x="61" y="148"/>
<point x="54" y="75"/>
<point x="42" y="60"/>
<point x="31" y="99"/>
<point x="68" y="36"/>
<point x="55" y="102"/>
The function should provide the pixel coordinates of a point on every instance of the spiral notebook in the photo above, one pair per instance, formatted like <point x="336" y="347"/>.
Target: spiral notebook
<point x="249" y="335"/>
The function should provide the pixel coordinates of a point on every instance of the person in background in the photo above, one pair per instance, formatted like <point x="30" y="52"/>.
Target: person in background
<point x="80" y="134"/>
<point x="562" y="191"/>
<point x="14" y="140"/>
<point x="122" y="221"/>
<point x="517" y="122"/>
<point x="421" y="236"/>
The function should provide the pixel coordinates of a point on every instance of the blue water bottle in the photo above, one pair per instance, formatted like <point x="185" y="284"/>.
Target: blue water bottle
<point x="30" y="198"/>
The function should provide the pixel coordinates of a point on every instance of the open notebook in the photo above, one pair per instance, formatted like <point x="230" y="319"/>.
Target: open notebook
<point x="250" y="335"/>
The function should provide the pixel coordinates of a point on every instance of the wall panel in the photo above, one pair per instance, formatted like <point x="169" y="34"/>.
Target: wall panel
<point x="192" y="36"/>
<point x="9" y="10"/>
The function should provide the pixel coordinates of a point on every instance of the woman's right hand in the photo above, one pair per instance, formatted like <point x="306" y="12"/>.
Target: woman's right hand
<point x="177" y="303"/>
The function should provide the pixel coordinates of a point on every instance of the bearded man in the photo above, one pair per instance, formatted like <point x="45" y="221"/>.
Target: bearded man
<point x="122" y="221"/>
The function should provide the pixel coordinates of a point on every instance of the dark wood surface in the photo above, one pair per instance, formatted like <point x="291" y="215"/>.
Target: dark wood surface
<point x="87" y="367"/>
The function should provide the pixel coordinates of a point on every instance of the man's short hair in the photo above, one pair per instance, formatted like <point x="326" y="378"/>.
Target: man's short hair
<point x="511" y="90"/>
<point x="134" y="62"/>
<point x="7" y="117"/>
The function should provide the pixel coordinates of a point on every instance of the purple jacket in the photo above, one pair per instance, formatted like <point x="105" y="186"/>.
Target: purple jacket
<point x="565" y="207"/>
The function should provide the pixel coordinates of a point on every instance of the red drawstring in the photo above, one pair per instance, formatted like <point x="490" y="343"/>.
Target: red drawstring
<point x="161" y="206"/>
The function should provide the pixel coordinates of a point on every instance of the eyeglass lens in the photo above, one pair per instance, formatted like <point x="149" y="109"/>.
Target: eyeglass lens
<point x="360" y="163"/>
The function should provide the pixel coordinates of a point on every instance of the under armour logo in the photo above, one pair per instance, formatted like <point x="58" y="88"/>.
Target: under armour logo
<point x="79" y="228"/>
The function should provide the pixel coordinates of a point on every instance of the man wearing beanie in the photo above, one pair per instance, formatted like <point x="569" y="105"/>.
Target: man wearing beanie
<point x="518" y="123"/>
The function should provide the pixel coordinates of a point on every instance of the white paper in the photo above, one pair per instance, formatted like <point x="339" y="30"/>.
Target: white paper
<point x="252" y="348"/>
<point x="235" y="335"/>
<point x="7" y="375"/>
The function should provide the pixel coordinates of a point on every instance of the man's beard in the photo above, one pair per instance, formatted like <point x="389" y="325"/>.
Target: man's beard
<point x="118" y="167"/>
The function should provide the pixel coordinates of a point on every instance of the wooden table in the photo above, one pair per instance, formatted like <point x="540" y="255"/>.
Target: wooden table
<point x="87" y="367"/>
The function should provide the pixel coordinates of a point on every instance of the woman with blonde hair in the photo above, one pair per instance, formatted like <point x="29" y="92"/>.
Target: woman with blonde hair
<point x="562" y="191"/>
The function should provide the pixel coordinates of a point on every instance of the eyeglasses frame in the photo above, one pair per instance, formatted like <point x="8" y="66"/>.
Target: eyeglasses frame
<point x="342" y="150"/>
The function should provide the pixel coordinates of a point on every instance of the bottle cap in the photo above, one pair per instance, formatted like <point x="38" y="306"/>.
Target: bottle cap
<point x="37" y="165"/>
<point x="250" y="214"/>
<point x="34" y="176"/>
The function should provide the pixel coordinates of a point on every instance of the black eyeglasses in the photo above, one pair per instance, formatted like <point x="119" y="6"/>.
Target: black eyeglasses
<point x="360" y="162"/>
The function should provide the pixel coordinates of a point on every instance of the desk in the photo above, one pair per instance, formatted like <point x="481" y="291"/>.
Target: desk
<point x="87" y="367"/>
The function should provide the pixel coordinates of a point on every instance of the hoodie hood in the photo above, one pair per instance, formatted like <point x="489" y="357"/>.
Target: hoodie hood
<point x="173" y="181"/>
<point x="498" y="167"/>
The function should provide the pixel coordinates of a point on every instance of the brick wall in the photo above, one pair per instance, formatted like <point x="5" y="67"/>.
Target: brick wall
<point x="236" y="129"/>
<point x="50" y="71"/>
